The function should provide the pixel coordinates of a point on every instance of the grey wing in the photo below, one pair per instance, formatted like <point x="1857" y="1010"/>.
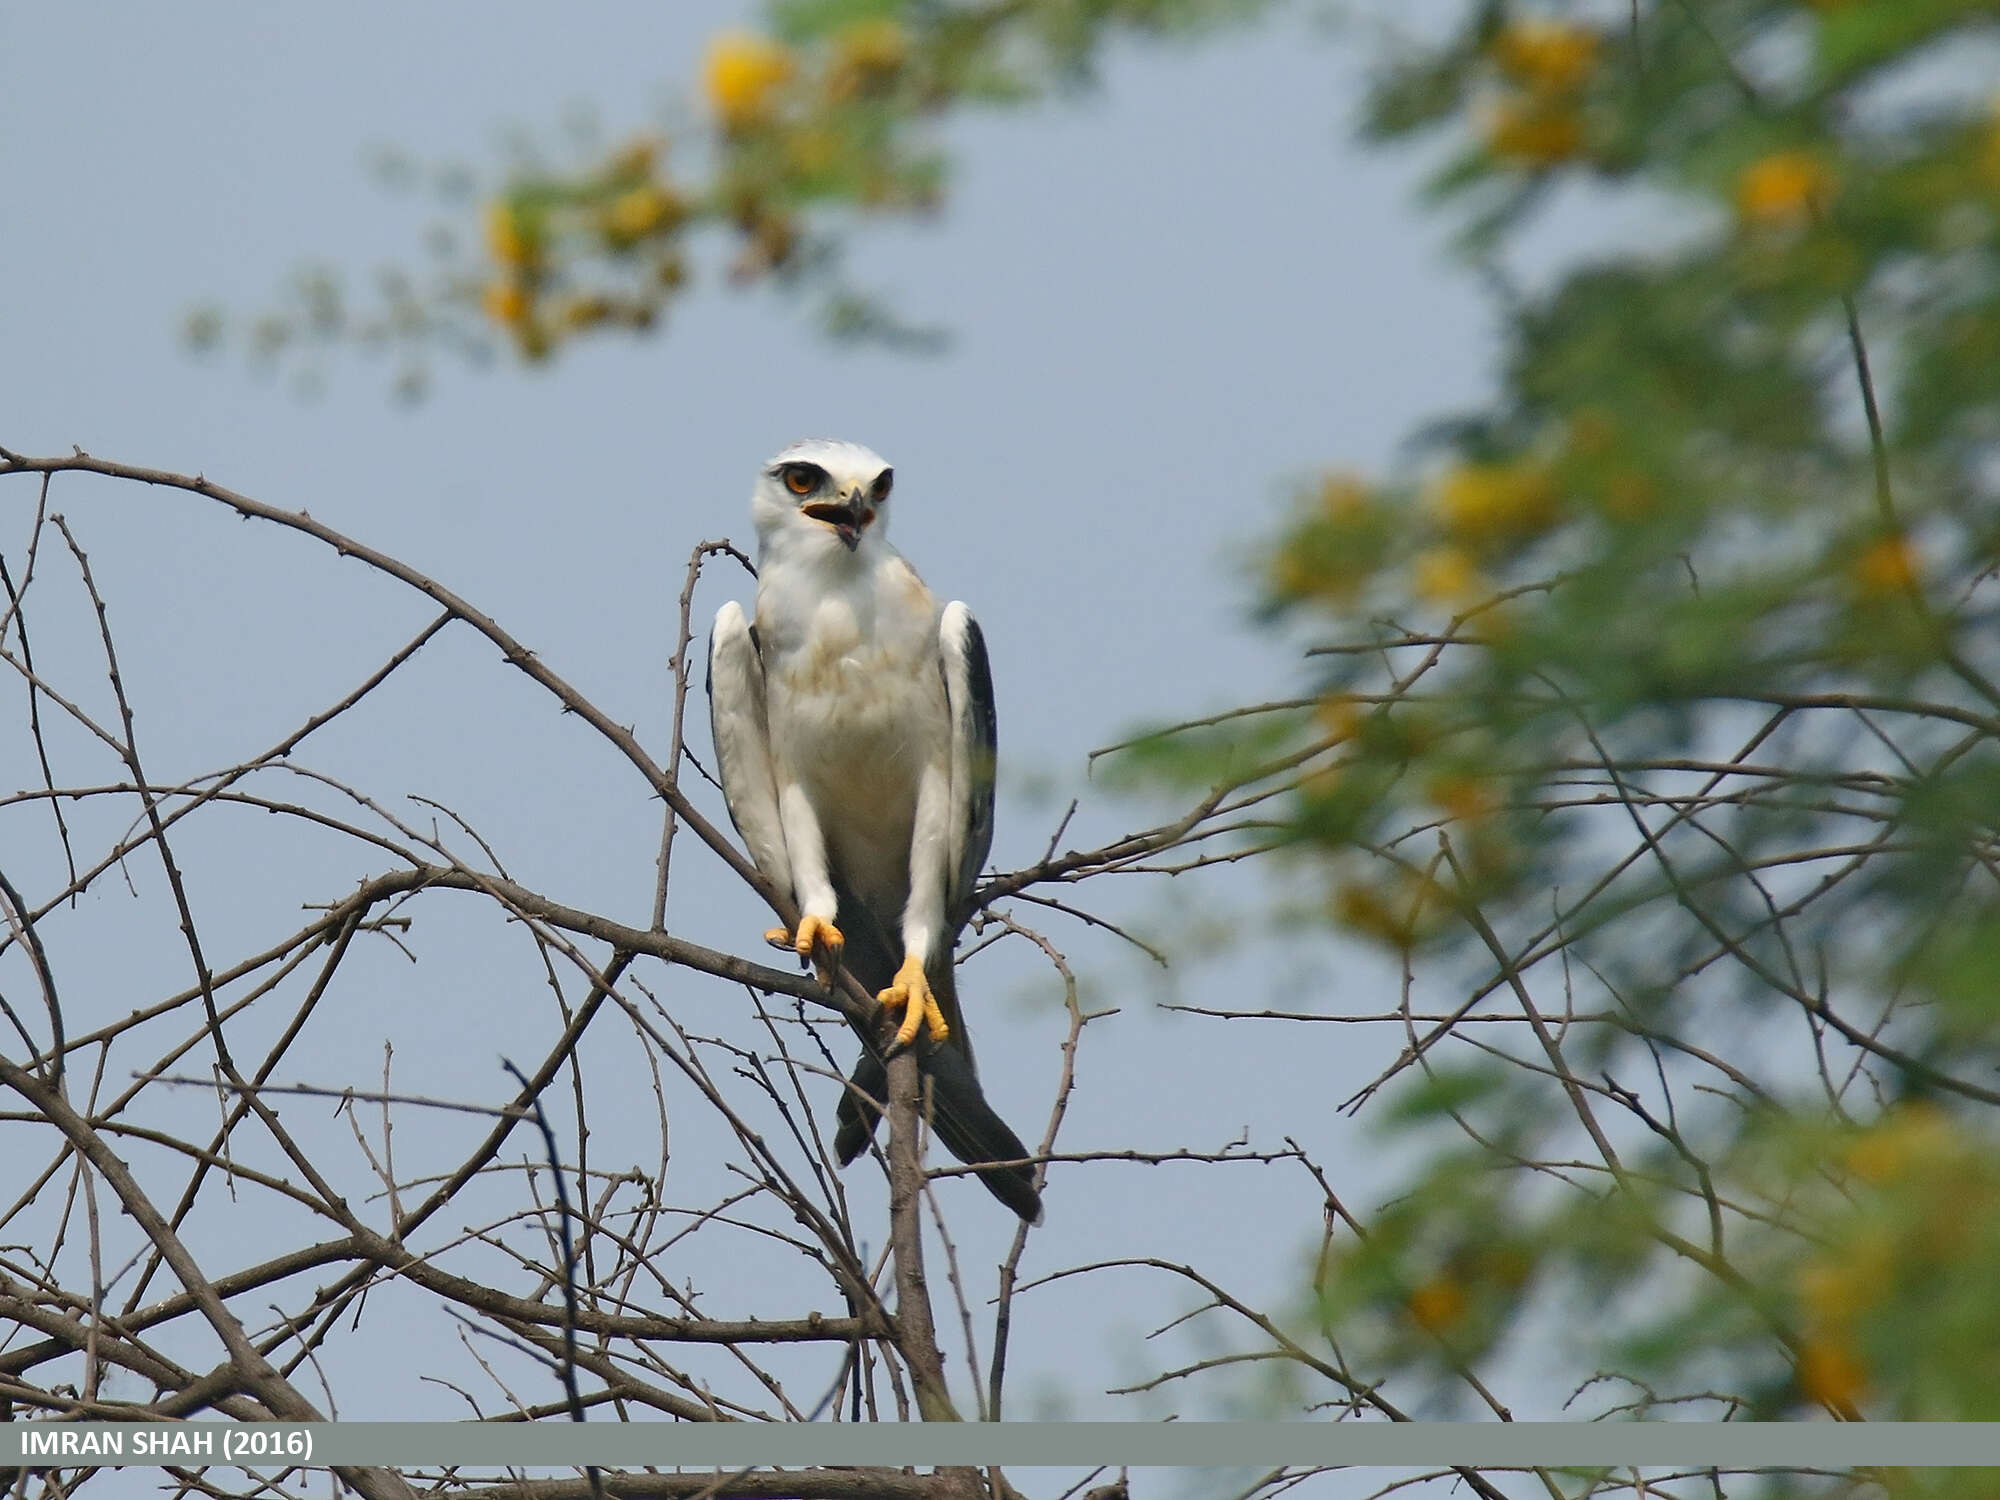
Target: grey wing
<point x="968" y="685"/>
<point x="740" y="723"/>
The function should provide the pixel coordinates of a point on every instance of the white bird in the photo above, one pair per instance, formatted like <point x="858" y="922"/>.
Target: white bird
<point x="854" y="735"/>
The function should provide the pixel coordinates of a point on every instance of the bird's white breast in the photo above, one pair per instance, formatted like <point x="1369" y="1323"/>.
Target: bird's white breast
<point x="857" y="707"/>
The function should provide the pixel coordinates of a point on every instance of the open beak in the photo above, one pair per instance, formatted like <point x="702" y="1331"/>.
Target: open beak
<point x="849" y="517"/>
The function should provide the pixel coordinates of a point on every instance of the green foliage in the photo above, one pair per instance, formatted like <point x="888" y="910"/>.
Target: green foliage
<point x="826" y="121"/>
<point x="1687" y="647"/>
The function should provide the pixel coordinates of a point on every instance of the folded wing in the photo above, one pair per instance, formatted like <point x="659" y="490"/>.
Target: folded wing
<point x="743" y="743"/>
<point x="968" y="685"/>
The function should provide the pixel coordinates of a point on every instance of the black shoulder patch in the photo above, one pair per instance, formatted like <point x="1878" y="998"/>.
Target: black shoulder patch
<point x="980" y="672"/>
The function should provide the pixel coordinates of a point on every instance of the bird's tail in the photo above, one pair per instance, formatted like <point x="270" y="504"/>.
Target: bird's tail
<point x="959" y="1114"/>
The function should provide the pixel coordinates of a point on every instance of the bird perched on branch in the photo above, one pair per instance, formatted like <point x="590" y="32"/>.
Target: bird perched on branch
<point x="854" y="735"/>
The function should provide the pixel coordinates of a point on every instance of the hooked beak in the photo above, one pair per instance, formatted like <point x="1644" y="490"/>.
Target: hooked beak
<point x="849" y="517"/>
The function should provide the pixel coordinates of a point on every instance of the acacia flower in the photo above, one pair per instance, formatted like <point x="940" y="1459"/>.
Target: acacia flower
<point x="505" y="301"/>
<point x="507" y="239"/>
<point x="1444" y="575"/>
<point x="1784" y="190"/>
<point x="1890" y="1149"/>
<point x="636" y="213"/>
<point x="1533" y="132"/>
<point x="1545" y="56"/>
<point x="740" y="74"/>
<point x="1342" y="496"/>
<point x="1887" y="565"/>
<point x="1437" y="1304"/>
<point x="1830" y="1372"/>
<point x="1339" y="715"/>
<point x="866" y="55"/>
<point x="1481" y="500"/>
<point x="1467" y="798"/>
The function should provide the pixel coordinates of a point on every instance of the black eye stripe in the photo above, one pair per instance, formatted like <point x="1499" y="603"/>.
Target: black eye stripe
<point x="880" y="491"/>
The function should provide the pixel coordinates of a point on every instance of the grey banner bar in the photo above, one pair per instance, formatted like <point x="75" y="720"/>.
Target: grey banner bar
<point x="730" y="1445"/>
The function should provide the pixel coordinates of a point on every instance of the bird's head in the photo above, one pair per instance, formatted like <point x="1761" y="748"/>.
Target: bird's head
<point x="821" y="492"/>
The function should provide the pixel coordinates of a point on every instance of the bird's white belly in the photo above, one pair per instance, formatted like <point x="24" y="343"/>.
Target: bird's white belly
<point x="855" y="729"/>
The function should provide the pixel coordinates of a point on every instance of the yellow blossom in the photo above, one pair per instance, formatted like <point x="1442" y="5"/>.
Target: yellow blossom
<point x="1342" y="497"/>
<point x="1828" y="1293"/>
<point x="1321" y="782"/>
<point x="1339" y="716"/>
<point x="1830" y="1372"/>
<point x="1837" y="1290"/>
<point x="1400" y="910"/>
<point x="1363" y="909"/>
<point x="1486" y="500"/>
<point x="814" y="149"/>
<point x="1887" y="565"/>
<point x="1783" y="190"/>
<point x="1317" y="563"/>
<point x="1468" y="798"/>
<point x="586" y="311"/>
<point x="1534" y="133"/>
<point x="1437" y="1304"/>
<point x="740" y="74"/>
<point x="636" y="159"/>
<point x="636" y="213"/>
<point x="1292" y="575"/>
<point x="505" y="302"/>
<point x="866" y="55"/>
<point x="1498" y="620"/>
<point x="1912" y="1135"/>
<point x="1545" y="56"/>
<point x="507" y="239"/>
<point x="1444" y="575"/>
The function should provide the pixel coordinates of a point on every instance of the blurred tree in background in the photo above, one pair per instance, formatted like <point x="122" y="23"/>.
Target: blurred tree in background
<point x="1656" y="709"/>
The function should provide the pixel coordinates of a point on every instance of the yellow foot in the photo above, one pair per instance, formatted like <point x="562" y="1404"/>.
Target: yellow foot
<point x="778" y="937"/>
<point x="911" y="994"/>
<point x="817" y="930"/>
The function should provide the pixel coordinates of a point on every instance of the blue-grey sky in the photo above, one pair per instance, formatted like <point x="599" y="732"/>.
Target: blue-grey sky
<point x="1171" y="298"/>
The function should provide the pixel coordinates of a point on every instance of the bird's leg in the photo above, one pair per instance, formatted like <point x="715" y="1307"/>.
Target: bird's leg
<point x="817" y="941"/>
<point x="923" y="915"/>
<point x="911" y="994"/>
<point x="781" y="937"/>
<point x="812" y="882"/>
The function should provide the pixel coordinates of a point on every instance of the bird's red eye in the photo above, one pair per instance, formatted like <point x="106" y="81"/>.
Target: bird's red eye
<point x="882" y="482"/>
<point x="801" y="479"/>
